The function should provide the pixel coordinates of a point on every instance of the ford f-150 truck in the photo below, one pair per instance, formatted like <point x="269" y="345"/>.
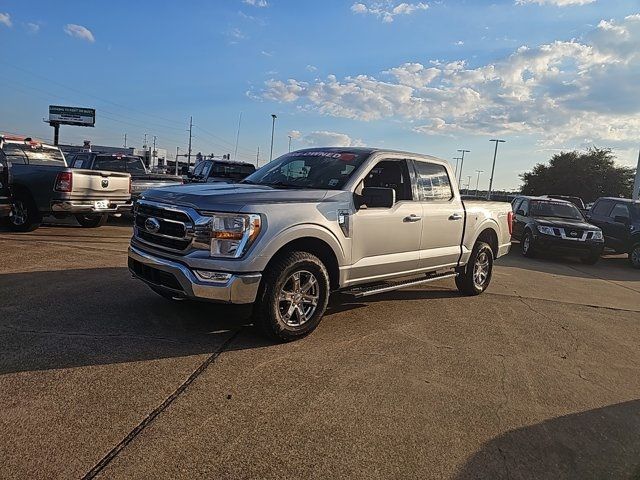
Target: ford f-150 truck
<point x="42" y="184"/>
<point x="359" y="220"/>
<point x="141" y="179"/>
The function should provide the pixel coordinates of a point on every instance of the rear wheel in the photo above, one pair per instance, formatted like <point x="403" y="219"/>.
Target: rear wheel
<point x="634" y="255"/>
<point x="526" y="245"/>
<point x="92" y="221"/>
<point x="476" y="276"/>
<point x="293" y="297"/>
<point x="25" y="215"/>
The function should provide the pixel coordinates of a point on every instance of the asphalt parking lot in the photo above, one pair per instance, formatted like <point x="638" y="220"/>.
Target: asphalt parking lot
<point x="537" y="378"/>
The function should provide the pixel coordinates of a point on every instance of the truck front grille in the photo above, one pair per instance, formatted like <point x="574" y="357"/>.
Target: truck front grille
<point x="166" y="228"/>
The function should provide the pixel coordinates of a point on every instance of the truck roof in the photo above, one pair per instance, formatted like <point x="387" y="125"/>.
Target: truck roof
<point x="617" y="199"/>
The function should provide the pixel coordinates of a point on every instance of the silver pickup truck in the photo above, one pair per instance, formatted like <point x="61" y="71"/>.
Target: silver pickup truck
<point x="359" y="220"/>
<point x="42" y="184"/>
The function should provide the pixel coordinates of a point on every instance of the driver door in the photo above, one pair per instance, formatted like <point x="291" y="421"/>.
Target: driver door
<point x="386" y="241"/>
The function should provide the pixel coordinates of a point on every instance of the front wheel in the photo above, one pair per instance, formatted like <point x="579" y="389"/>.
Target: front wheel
<point x="476" y="275"/>
<point x="92" y="221"/>
<point x="634" y="256"/>
<point x="293" y="297"/>
<point x="526" y="245"/>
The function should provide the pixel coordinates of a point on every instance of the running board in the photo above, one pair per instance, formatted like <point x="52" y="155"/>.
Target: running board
<point x="359" y="292"/>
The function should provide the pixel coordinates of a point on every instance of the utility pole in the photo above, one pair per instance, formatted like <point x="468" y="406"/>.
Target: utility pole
<point x="258" y="157"/>
<point x="456" y="170"/>
<point x="235" y="153"/>
<point x="289" y="143"/>
<point x="478" y="180"/>
<point x="189" y="151"/>
<point x="493" y="167"/>
<point x="177" y="156"/>
<point x="468" y="183"/>
<point x="273" y="128"/>
<point x="153" y="153"/>
<point x="125" y="140"/>
<point x="144" y="147"/>
<point x="461" y="163"/>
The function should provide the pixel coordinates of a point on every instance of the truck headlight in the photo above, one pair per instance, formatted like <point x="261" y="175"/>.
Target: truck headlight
<point x="597" y="235"/>
<point x="233" y="234"/>
<point x="546" y="230"/>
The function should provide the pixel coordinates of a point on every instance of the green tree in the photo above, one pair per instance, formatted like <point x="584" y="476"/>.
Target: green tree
<point x="588" y="175"/>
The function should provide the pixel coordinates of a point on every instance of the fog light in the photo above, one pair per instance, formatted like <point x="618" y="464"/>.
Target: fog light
<point x="215" y="277"/>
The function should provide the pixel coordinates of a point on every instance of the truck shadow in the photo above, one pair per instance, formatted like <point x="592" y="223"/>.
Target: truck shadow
<point x="599" y="443"/>
<point x="71" y="318"/>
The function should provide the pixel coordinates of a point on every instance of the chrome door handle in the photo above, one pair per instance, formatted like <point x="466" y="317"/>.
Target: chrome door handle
<point x="455" y="216"/>
<point x="413" y="218"/>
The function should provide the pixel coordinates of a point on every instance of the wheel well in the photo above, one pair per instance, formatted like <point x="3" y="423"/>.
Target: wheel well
<point x="316" y="247"/>
<point x="490" y="236"/>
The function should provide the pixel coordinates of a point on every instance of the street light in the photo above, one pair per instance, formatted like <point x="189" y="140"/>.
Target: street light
<point x="273" y="128"/>
<point x="456" y="170"/>
<point x="289" y="143"/>
<point x="493" y="167"/>
<point x="478" y="180"/>
<point x="177" y="156"/>
<point x="461" y="163"/>
<point x="468" y="183"/>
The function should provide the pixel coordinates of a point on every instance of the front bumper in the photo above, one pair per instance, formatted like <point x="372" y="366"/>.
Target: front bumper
<point x="181" y="281"/>
<point x="576" y="247"/>
<point x="86" y="206"/>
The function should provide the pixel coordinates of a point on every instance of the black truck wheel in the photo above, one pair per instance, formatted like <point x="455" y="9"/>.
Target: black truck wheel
<point x="92" y="221"/>
<point x="475" y="277"/>
<point x="526" y="245"/>
<point x="634" y="255"/>
<point x="293" y="297"/>
<point x="25" y="216"/>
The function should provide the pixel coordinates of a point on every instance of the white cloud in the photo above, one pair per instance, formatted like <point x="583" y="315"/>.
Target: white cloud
<point x="256" y="3"/>
<point x="5" y="19"/>
<point x="32" y="27"/>
<point x="459" y="43"/>
<point x="564" y="93"/>
<point x="557" y="3"/>
<point x="266" y="54"/>
<point x="323" y="138"/>
<point x="80" y="32"/>
<point x="295" y="134"/>
<point x="386" y="10"/>
<point x="311" y="68"/>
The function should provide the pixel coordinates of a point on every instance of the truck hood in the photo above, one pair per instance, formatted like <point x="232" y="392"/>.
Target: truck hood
<point x="230" y="197"/>
<point x="565" y="222"/>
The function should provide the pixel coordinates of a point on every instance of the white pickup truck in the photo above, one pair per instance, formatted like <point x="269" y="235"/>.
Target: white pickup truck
<point x="359" y="220"/>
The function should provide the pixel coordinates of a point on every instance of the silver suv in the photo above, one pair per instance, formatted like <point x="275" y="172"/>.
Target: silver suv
<point x="359" y="220"/>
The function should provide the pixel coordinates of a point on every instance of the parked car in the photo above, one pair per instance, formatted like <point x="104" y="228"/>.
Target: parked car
<point x="224" y="171"/>
<point x="547" y="224"/>
<point x="5" y="193"/>
<point x="359" y="220"/>
<point x="619" y="219"/>
<point x="42" y="184"/>
<point x="141" y="179"/>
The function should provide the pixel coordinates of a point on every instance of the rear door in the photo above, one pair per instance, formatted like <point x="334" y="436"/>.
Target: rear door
<point x="599" y="216"/>
<point x="442" y="217"/>
<point x="618" y="227"/>
<point x="386" y="241"/>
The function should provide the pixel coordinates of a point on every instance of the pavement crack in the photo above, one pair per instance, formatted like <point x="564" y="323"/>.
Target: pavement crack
<point x="98" y="467"/>
<point x="501" y="405"/>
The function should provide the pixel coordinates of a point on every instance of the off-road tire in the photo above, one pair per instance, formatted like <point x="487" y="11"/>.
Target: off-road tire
<point x="92" y="221"/>
<point x="527" y="245"/>
<point x="634" y="255"/>
<point x="267" y="316"/>
<point x="465" y="280"/>
<point x="25" y="212"/>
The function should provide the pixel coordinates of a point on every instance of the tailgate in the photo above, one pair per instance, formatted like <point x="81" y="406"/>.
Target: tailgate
<point x="99" y="184"/>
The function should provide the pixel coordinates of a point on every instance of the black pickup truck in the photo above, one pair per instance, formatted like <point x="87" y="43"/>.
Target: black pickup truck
<point x="619" y="219"/>
<point x="5" y="193"/>
<point x="141" y="179"/>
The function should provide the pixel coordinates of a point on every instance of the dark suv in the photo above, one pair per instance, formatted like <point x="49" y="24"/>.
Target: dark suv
<point x="619" y="219"/>
<point x="546" y="224"/>
<point x="5" y="180"/>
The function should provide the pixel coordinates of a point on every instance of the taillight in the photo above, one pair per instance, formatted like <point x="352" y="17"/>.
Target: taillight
<point x="510" y="222"/>
<point x="64" y="182"/>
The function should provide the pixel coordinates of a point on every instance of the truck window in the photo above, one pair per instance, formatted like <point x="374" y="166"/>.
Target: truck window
<point x="602" y="208"/>
<point x="391" y="174"/>
<point x="206" y="169"/>
<point x="117" y="163"/>
<point x="525" y="207"/>
<point x="433" y="182"/>
<point x="198" y="169"/>
<point x="620" y="210"/>
<point x="34" y="154"/>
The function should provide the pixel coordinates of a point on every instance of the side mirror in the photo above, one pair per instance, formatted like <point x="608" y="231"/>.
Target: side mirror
<point x="377" y="197"/>
<point x="520" y="212"/>
<point x="621" y="219"/>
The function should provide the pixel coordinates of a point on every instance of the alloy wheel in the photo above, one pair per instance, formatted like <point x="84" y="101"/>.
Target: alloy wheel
<point x="481" y="269"/>
<point x="298" y="298"/>
<point x="19" y="210"/>
<point x="635" y="256"/>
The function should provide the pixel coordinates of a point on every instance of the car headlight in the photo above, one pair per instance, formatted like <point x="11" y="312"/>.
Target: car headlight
<point x="546" y="230"/>
<point x="597" y="235"/>
<point x="233" y="234"/>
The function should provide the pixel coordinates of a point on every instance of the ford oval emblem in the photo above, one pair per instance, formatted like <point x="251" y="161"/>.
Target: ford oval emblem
<point x="105" y="183"/>
<point x="152" y="225"/>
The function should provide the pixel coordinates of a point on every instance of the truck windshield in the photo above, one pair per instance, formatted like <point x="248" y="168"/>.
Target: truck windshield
<point x="555" y="209"/>
<point x="116" y="163"/>
<point x="34" y="154"/>
<point x="321" y="169"/>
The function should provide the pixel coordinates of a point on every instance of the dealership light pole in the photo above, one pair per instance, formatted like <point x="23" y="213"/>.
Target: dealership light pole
<point x="468" y="183"/>
<point x="493" y="167"/>
<point x="289" y="143"/>
<point x="273" y="128"/>
<point x="177" y="156"/>
<point x="456" y="170"/>
<point x="461" y="163"/>
<point x="478" y="180"/>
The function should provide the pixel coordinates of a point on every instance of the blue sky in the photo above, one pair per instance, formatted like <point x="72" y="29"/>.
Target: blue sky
<point x="429" y="77"/>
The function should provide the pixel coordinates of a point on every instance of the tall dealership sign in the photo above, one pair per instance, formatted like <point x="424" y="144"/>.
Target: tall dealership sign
<point x="60" y="115"/>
